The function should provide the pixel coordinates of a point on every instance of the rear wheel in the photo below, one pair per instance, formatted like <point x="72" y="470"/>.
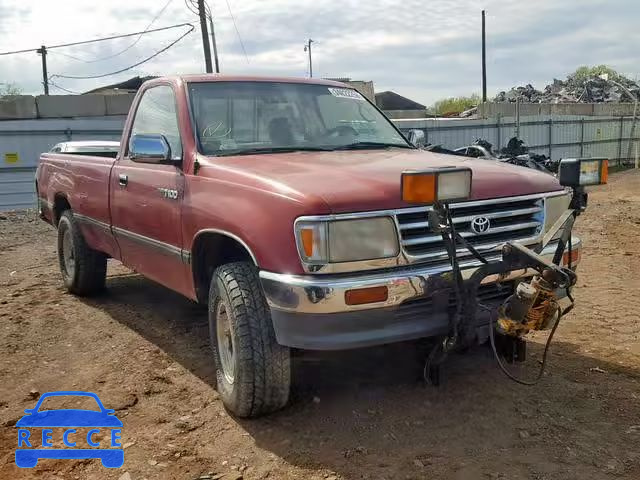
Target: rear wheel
<point x="84" y="270"/>
<point x="253" y="371"/>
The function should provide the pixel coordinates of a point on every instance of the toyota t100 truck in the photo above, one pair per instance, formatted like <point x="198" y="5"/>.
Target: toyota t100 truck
<point x="277" y="202"/>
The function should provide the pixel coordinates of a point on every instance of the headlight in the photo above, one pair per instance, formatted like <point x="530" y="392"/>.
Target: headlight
<point x="554" y="207"/>
<point x="349" y="240"/>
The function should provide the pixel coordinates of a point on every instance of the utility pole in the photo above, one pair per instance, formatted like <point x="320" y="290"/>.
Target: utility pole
<point x="45" y="77"/>
<point x="213" y="41"/>
<point x="307" y="48"/>
<point x="205" y="36"/>
<point x="484" y="60"/>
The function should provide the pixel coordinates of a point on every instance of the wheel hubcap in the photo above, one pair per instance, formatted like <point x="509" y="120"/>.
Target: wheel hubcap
<point x="226" y="346"/>
<point x="68" y="254"/>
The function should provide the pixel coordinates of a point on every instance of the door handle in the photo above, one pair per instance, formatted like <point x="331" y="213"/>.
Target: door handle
<point x="123" y="180"/>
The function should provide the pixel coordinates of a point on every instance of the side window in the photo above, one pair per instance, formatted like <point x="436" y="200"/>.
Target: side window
<point x="156" y="115"/>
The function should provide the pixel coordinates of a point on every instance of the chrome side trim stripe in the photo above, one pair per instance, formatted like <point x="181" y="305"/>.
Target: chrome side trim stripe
<point x="92" y="221"/>
<point x="172" y="250"/>
<point x="148" y="241"/>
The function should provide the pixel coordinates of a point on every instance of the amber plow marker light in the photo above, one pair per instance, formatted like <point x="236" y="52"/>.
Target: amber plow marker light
<point x="582" y="172"/>
<point x="441" y="185"/>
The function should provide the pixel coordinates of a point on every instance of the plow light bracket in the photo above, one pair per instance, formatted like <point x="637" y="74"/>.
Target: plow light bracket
<point x="437" y="185"/>
<point x="581" y="172"/>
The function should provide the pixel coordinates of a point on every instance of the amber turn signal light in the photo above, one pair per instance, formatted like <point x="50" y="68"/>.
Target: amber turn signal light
<point x="447" y="184"/>
<point x="360" y="296"/>
<point x="306" y="235"/>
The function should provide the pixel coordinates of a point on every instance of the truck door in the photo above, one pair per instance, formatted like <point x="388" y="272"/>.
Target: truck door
<point x="146" y="196"/>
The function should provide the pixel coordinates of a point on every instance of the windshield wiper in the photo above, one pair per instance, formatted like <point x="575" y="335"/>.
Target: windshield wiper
<point x="370" y="145"/>
<point x="258" y="150"/>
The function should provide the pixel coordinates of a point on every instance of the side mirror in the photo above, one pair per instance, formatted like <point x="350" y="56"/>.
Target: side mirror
<point x="150" y="149"/>
<point x="417" y="138"/>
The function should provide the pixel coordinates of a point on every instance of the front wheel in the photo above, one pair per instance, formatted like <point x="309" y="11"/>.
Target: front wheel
<point x="253" y="371"/>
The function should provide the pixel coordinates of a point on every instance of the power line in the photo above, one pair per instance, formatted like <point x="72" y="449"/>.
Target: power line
<point x="84" y="42"/>
<point x="166" y="5"/>
<point x="135" y="42"/>
<point x="191" y="7"/>
<point x="237" y="31"/>
<point x="62" y="88"/>
<point x="71" y="57"/>
<point x="73" y="77"/>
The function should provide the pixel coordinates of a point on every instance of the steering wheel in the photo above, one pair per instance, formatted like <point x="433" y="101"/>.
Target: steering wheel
<point x="340" y="131"/>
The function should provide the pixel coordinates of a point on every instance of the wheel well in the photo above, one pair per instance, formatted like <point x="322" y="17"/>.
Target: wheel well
<point x="60" y="204"/>
<point x="210" y="250"/>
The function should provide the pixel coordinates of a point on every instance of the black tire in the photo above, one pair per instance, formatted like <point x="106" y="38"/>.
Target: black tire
<point x="88" y="272"/>
<point x="261" y="377"/>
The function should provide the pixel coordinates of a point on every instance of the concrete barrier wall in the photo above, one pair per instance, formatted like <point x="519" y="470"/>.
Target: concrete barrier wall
<point x="118" y="104"/>
<point x="17" y="108"/>
<point x="68" y="106"/>
<point x="26" y="107"/>
<point x="492" y="110"/>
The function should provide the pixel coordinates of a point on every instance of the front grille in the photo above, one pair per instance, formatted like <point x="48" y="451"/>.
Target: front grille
<point x="511" y="219"/>
<point x="493" y="293"/>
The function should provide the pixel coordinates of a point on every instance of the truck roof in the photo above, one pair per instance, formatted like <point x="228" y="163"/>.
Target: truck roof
<point x="212" y="77"/>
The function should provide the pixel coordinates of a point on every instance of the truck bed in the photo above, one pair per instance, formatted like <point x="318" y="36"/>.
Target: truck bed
<point x="82" y="181"/>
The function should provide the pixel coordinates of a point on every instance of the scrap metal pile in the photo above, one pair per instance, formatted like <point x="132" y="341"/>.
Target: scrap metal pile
<point x="515" y="153"/>
<point x="574" y="89"/>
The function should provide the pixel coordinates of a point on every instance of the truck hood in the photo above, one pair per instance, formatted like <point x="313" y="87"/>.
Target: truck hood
<point x="351" y="181"/>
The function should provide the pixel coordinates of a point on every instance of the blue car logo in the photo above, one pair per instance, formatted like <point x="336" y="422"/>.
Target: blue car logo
<point x="32" y="447"/>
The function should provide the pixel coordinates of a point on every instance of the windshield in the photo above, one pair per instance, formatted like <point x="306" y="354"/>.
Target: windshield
<point x="261" y="117"/>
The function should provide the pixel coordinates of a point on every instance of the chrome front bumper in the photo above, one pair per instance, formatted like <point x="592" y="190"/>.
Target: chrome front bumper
<point x="310" y="311"/>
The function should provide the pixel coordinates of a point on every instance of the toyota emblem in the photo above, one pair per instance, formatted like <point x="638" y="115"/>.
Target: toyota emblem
<point x="480" y="225"/>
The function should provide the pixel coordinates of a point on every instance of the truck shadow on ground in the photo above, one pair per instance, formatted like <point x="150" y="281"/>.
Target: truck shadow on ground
<point x="368" y="409"/>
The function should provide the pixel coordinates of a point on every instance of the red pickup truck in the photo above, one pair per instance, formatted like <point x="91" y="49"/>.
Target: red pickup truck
<point x="277" y="203"/>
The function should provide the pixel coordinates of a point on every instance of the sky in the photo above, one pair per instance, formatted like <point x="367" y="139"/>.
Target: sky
<point x="422" y="49"/>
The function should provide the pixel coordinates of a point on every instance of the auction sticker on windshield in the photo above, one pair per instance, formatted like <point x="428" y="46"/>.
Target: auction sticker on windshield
<point x="345" y="93"/>
<point x="69" y="433"/>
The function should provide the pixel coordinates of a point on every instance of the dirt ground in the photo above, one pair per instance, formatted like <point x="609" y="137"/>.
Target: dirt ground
<point x="354" y="415"/>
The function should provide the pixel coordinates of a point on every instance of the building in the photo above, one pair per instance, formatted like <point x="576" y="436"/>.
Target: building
<point x="392" y="101"/>
<point x="128" y="86"/>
